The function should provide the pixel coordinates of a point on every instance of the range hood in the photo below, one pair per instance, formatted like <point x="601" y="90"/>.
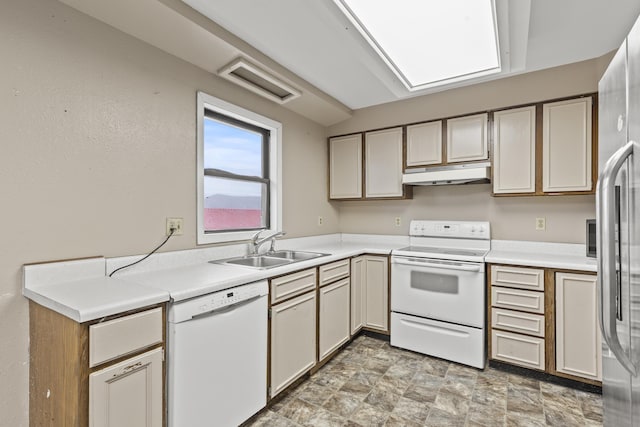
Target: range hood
<point x="471" y="173"/>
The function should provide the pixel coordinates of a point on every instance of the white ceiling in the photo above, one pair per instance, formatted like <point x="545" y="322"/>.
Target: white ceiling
<point x="310" y="45"/>
<point x="317" y="42"/>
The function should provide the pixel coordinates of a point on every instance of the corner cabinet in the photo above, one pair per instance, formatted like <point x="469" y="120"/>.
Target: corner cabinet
<point x="107" y="373"/>
<point x="514" y="150"/>
<point x="345" y="167"/>
<point x="567" y="146"/>
<point x="467" y="138"/>
<point x="370" y="293"/>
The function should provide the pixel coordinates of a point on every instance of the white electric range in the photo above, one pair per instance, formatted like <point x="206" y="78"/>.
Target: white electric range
<point x="438" y="291"/>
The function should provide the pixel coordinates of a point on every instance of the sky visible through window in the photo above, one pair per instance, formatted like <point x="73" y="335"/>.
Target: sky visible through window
<point x="234" y="150"/>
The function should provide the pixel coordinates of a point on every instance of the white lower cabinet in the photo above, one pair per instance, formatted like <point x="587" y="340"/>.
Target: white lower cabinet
<point x="376" y="292"/>
<point x="519" y="349"/>
<point x="370" y="293"/>
<point x="128" y="393"/>
<point x="357" y="293"/>
<point x="578" y="339"/>
<point x="293" y="340"/>
<point x="333" y="317"/>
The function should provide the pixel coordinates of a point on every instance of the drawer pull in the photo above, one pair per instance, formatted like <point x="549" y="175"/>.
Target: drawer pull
<point x="132" y="367"/>
<point x="334" y="277"/>
<point x="292" y="279"/>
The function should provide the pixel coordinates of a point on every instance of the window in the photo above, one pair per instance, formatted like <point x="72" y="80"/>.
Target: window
<point x="238" y="172"/>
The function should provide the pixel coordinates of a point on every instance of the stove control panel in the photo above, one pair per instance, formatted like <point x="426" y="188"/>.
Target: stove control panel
<point x="457" y="229"/>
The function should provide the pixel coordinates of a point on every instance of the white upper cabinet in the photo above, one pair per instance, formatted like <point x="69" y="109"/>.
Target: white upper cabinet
<point x="345" y="167"/>
<point x="424" y="144"/>
<point x="467" y="138"/>
<point x="383" y="163"/>
<point x="514" y="150"/>
<point x="566" y="146"/>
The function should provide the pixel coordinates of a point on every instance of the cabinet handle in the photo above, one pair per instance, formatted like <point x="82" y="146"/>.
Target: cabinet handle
<point x="128" y="369"/>
<point x="293" y="279"/>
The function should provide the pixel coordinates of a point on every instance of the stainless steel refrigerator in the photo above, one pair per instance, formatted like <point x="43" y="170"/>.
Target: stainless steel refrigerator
<point x="618" y="233"/>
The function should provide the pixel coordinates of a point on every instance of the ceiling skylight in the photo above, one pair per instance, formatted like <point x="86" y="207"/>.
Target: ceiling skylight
<point x="429" y="42"/>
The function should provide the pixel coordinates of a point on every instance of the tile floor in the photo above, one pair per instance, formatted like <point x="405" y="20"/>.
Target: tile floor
<point x="371" y="383"/>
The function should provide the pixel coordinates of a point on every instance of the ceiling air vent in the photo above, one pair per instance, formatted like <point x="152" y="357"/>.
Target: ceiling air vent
<point x="259" y="81"/>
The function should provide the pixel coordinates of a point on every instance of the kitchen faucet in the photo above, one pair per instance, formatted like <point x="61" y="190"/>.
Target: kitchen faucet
<point x="256" y="242"/>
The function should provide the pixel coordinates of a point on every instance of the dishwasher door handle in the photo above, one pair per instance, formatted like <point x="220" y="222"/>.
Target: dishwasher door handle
<point x="226" y="308"/>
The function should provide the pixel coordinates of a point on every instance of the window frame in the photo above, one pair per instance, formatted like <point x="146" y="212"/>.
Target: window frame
<point x="273" y="167"/>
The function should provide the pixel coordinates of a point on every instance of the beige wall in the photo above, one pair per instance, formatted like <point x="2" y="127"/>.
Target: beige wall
<point x="98" y="138"/>
<point x="98" y="148"/>
<point x="511" y="218"/>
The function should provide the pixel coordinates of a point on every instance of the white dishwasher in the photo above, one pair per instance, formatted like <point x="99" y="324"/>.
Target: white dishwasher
<point x="217" y="357"/>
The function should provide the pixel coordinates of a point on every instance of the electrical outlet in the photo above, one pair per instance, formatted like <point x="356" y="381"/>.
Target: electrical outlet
<point x="175" y="223"/>
<point x="398" y="221"/>
<point x="320" y="221"/>
<point x="541" y="224"/>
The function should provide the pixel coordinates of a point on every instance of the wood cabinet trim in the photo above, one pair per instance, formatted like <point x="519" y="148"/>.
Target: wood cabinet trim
<point x="59" y="365"/>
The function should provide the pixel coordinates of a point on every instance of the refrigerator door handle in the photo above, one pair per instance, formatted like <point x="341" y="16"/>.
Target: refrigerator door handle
<point x="606" y="243"/>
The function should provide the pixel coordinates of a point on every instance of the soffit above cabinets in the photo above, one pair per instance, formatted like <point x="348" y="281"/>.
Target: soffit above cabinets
<point x="315" y="40"/>
<point x="313" y="46"/>
<point x="177" y="29"/>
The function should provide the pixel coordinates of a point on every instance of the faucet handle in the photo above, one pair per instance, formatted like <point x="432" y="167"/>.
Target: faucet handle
<point x="273" y="240"/>
<point x="255" y="236"/>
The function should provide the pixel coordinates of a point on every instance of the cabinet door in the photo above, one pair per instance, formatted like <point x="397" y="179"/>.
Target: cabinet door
<point x="578" y="340"/>
<point x="345" y="167"/>
<point x="467" y="138"/>
<point x="566" y="146"/>
<point x="383" y="163"/>
<point x="376" y="291"/>
<point x="357" y="294"/>
<point x="424" y="144"/>
<point x="334" y="316"/>
<point x="514" y="154"/>
<point x="293" y="340"/>
<point x="128" y="393"/>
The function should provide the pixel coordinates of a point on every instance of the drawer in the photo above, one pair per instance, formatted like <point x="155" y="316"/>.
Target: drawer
<point x="517" y="349"/>
<point x="517" y="321"/>
<point x="517" y="299"/>
<point x="517" y="277"/>
<point x="329" y="273"/>
<point x="124" y="335"/>
<point x="292" y="284"/>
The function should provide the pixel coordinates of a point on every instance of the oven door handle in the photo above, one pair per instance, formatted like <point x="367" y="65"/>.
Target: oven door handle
<point x="436" y="264"/>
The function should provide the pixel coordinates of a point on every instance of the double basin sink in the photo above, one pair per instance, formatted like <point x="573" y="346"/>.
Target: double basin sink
<point x="270" y="259"/>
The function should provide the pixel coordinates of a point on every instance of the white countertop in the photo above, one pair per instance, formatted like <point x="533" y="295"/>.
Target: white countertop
<point x="82" y="291"/>
<point x="541" y="254"/>
<point x="194" y="280"/>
